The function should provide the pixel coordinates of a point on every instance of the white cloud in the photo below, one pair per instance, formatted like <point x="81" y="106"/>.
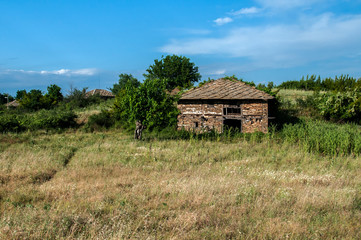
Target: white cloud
<point x="64" y="72"/>
<point x="246" y="11"/>
<point x="318" y="38"/>
<point x="222" y="21"/>
<point x="218" y="72"/>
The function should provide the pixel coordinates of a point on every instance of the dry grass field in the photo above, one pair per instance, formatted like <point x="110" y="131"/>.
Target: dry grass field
<point x="105" y="185"/>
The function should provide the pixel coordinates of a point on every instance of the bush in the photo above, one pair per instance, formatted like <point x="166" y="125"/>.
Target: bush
<point x="52" y="119"/>
<point x="105" y="119"/>
<point x="78" y="99"/>
<point x="10" y="123"/>
<point x="340" y="106"/>
<point x="44" y="119"/>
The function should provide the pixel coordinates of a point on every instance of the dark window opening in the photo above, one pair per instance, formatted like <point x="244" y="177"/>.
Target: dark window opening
<point x="196" y="124"/>
<point x="231" y="111"/>
<point x="232" y="124"/>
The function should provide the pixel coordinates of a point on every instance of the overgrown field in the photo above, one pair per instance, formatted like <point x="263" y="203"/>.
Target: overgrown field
<point x="105" y="185"/>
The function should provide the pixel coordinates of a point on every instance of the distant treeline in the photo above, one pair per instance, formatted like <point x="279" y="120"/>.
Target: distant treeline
<point x="315" y="83"/>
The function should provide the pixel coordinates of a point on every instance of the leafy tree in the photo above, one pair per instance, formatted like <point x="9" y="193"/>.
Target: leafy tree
<point x="20" y="94"/>
<point x="123" y="80"/>
<point x="4" y="100"/>
<point x="33" y="100"/>
<point x="149" y="103"/>
<point x="54" y="95"/>
<point x="177" y="70"/>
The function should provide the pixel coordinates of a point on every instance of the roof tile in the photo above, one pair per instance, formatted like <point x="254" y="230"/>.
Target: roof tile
<point x="225" y="89"/>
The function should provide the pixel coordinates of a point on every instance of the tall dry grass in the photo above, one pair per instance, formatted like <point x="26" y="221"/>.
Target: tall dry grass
<point x="108" y="186"/>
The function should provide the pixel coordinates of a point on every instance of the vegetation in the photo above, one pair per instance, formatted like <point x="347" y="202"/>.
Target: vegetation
<point x="5" y="98"/>
<point x="107" y="186"/>
<point x="77" y="99"/>
<point x="149" y="103"/>
<point x="299" y="181"/>
<point x="124" y="79"/>
<point x="43" y="119"/>
<point x="177" y="71"/>
<point x="314" y="83"/>
<point x="35" y="100"/>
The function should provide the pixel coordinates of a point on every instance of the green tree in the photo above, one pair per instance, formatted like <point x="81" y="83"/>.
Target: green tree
<point x="20" y="94"/>
<point x="33" y="100"/>
<point x="54" y="95"/>
<point x="5" y="98"/>
<point x="177" y="70"/>
<point x="123" y="80"/>
<point x="148" y="103"/>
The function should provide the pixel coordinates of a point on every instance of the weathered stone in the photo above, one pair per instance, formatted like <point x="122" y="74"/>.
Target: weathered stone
<point x="224" y="102"/>
<point x="204" y="116"/>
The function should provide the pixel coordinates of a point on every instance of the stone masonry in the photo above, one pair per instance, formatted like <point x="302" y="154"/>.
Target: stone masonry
<point x="204" y="116"/>
<point x="224" y="103"/>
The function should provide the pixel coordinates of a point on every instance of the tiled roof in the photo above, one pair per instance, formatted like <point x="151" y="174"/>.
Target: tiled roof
<point x="13" y="104"/>
<point x="225" y="89"/>
<point x="100" y="92"/>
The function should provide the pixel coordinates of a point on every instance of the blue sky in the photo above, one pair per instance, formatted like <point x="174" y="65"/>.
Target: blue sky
<point x="89" y="43"/>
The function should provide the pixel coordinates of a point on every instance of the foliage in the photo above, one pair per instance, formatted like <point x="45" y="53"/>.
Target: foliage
<point x="123" y="80"/>
<point x="104" y="119"/>
<point x="11" y="123"/>
<point x="340" y="106"/>
<point x="54" y="95"/>
<point x="5" y="98"/>
<point x="177" y="70"/>
<point x="338" y="84"/>
<point x="33" y="100"/>
<point x="43" y="119"/>
<point x="51" y="119"/>
<point x="150" y="103"/>
<point x="77" y="99"/>
<point x="20" y="94"/>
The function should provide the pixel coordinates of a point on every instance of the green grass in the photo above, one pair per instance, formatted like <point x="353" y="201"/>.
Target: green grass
<point x="293" y="94"/>
<point x="105" y="185"/>
<point x="323" y="137"/>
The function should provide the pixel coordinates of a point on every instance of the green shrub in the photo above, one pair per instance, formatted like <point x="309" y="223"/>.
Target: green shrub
<point x="44" y="119"/>
<point x="105" y="119"/>
<point x="10" y="123"/>
<point x="52" y="119"/>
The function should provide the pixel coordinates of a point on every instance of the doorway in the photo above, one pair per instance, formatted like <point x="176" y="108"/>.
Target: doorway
<point x="233" y="124"/>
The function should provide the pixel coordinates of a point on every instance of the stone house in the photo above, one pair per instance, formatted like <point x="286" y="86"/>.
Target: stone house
<point x="224" y="103"/>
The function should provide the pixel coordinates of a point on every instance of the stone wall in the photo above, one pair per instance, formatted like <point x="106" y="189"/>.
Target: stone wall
<point x="204" y="116"/>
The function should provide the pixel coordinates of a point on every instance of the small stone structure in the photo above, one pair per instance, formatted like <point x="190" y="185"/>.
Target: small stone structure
<point x="224" y="103"/>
